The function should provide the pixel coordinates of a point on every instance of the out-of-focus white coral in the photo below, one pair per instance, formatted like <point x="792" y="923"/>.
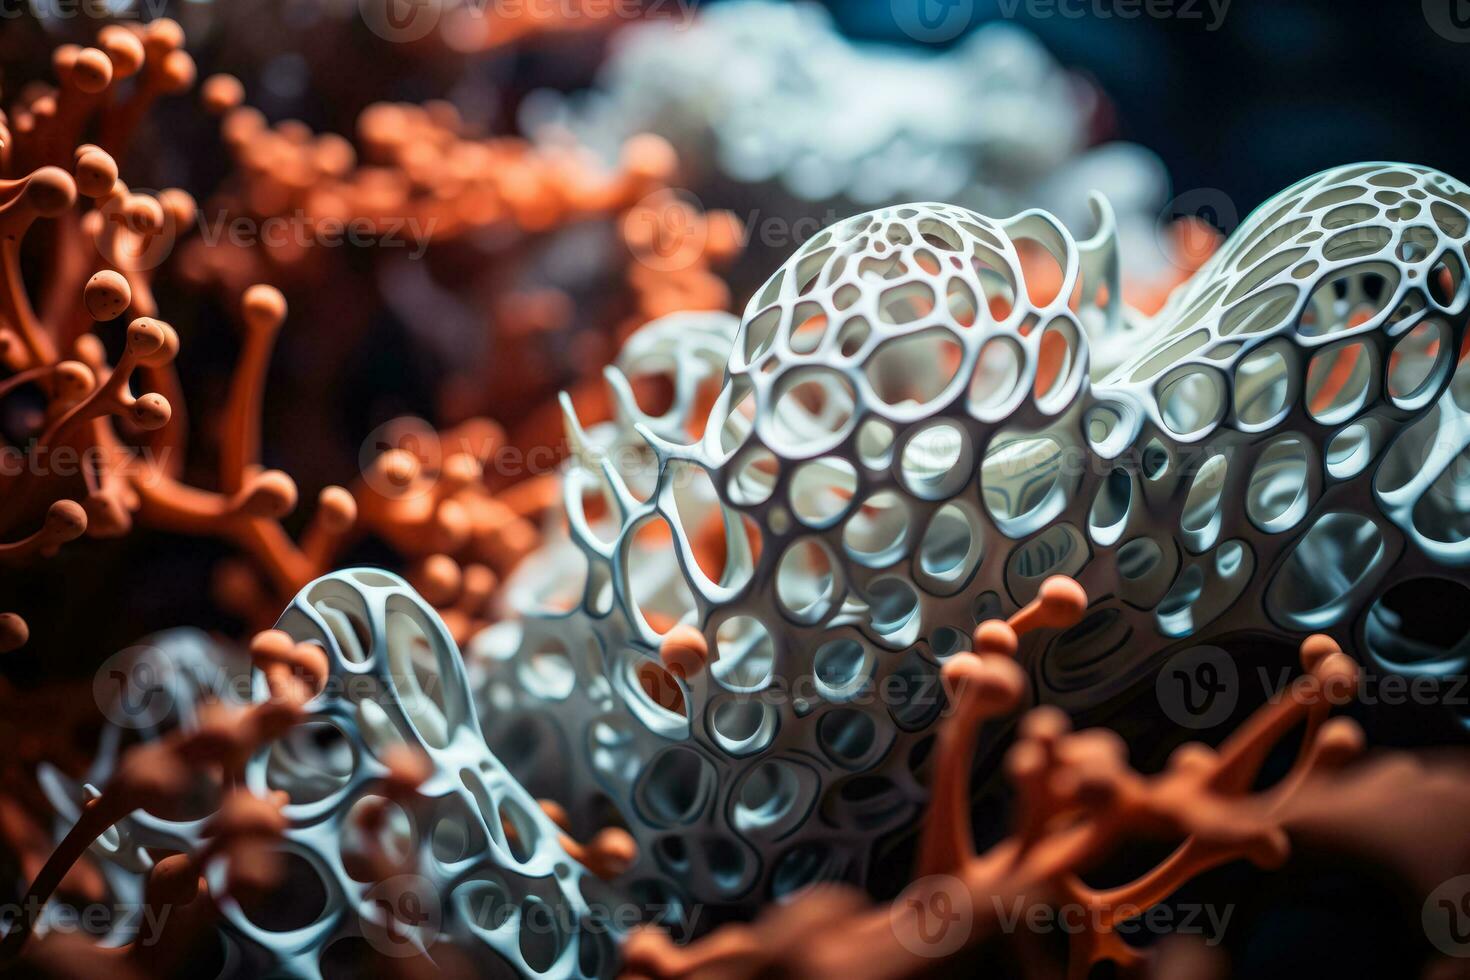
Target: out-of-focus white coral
<point x="994" y="124"/>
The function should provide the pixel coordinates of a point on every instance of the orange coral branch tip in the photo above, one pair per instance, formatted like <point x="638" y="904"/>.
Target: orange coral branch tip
<point x="1058" y="605"/>
<point x="336" y="510"/>
<point x="607" y="855"/>
<point x="107" y="295"/>
<point x="439" y="579"/>
<point x="271" y="494"/>
<point x="649" y="157"/>
<point x="14" y="633"/>
<point x="221" y="93"/>
<point x="1317" y="648"/>
<point x="90" y="71"/>
<point x="995" y="637"/>
<point x="50" y="191"/>
<point x="263" y="307"/>
<point x="984" y="686"/>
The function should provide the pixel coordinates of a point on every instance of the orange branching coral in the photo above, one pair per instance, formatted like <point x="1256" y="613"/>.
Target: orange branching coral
<point x="1077" y="802"/>
<point x="426" y="496"/>
<point x="497" y="25"/>
<point x="163" y="777"/>
<point x="131" y="448"/>
<point x="97" y="456"/>
<point x="420" y="178"/>
<point x="607" y="855"/>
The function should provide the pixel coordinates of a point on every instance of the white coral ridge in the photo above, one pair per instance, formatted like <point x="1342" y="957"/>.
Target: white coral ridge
<point x="902" y="436"/>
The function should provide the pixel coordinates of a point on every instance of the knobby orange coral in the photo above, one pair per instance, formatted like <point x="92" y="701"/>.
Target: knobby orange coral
<point x="1076" y="802"/>
<point x="96" y="456"/>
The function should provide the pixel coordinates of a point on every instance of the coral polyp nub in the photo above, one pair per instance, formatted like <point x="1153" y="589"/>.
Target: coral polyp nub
<point x="1317" y="648"/>
<point x="337" y="510"/>
<point x="146" y="337"/>
<point x="73" y="380"/>
<point x="272" y="494"/>
<point x="151" y="411"/>
<point x="124" y="49"/>
<point x="107" y="295"/>
<point x="264" y="307"/>
<point x="1062" y="602"/>
<point x="220" y="93"/>
<point x="995" y="637"/>
<point x="51" y="191"/>
<point x="91" y="71"/>
<point x="14" y="633"/>
<point x="163" y="36"/>
<point x="66" y="520"/>
<point x="143" y="214"/>
<point x="96" y="172"/>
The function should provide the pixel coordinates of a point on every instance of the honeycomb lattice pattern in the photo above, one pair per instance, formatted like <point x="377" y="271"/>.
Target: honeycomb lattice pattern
<point x="909" y="436"/>
<point x="482" y="865"/>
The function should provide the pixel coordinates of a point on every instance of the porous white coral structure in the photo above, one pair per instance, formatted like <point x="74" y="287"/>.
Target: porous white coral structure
<point x="481" y="866"/>
<point x="908" y="437"/>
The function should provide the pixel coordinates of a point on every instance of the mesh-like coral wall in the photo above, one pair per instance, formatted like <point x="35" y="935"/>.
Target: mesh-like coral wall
<point x="911" y="435"/>
<point x="399" y="829"/>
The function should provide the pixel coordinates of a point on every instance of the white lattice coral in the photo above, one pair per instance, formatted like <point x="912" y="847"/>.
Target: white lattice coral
<point x="910" y="437"/>
<point x="400" y="834"/>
